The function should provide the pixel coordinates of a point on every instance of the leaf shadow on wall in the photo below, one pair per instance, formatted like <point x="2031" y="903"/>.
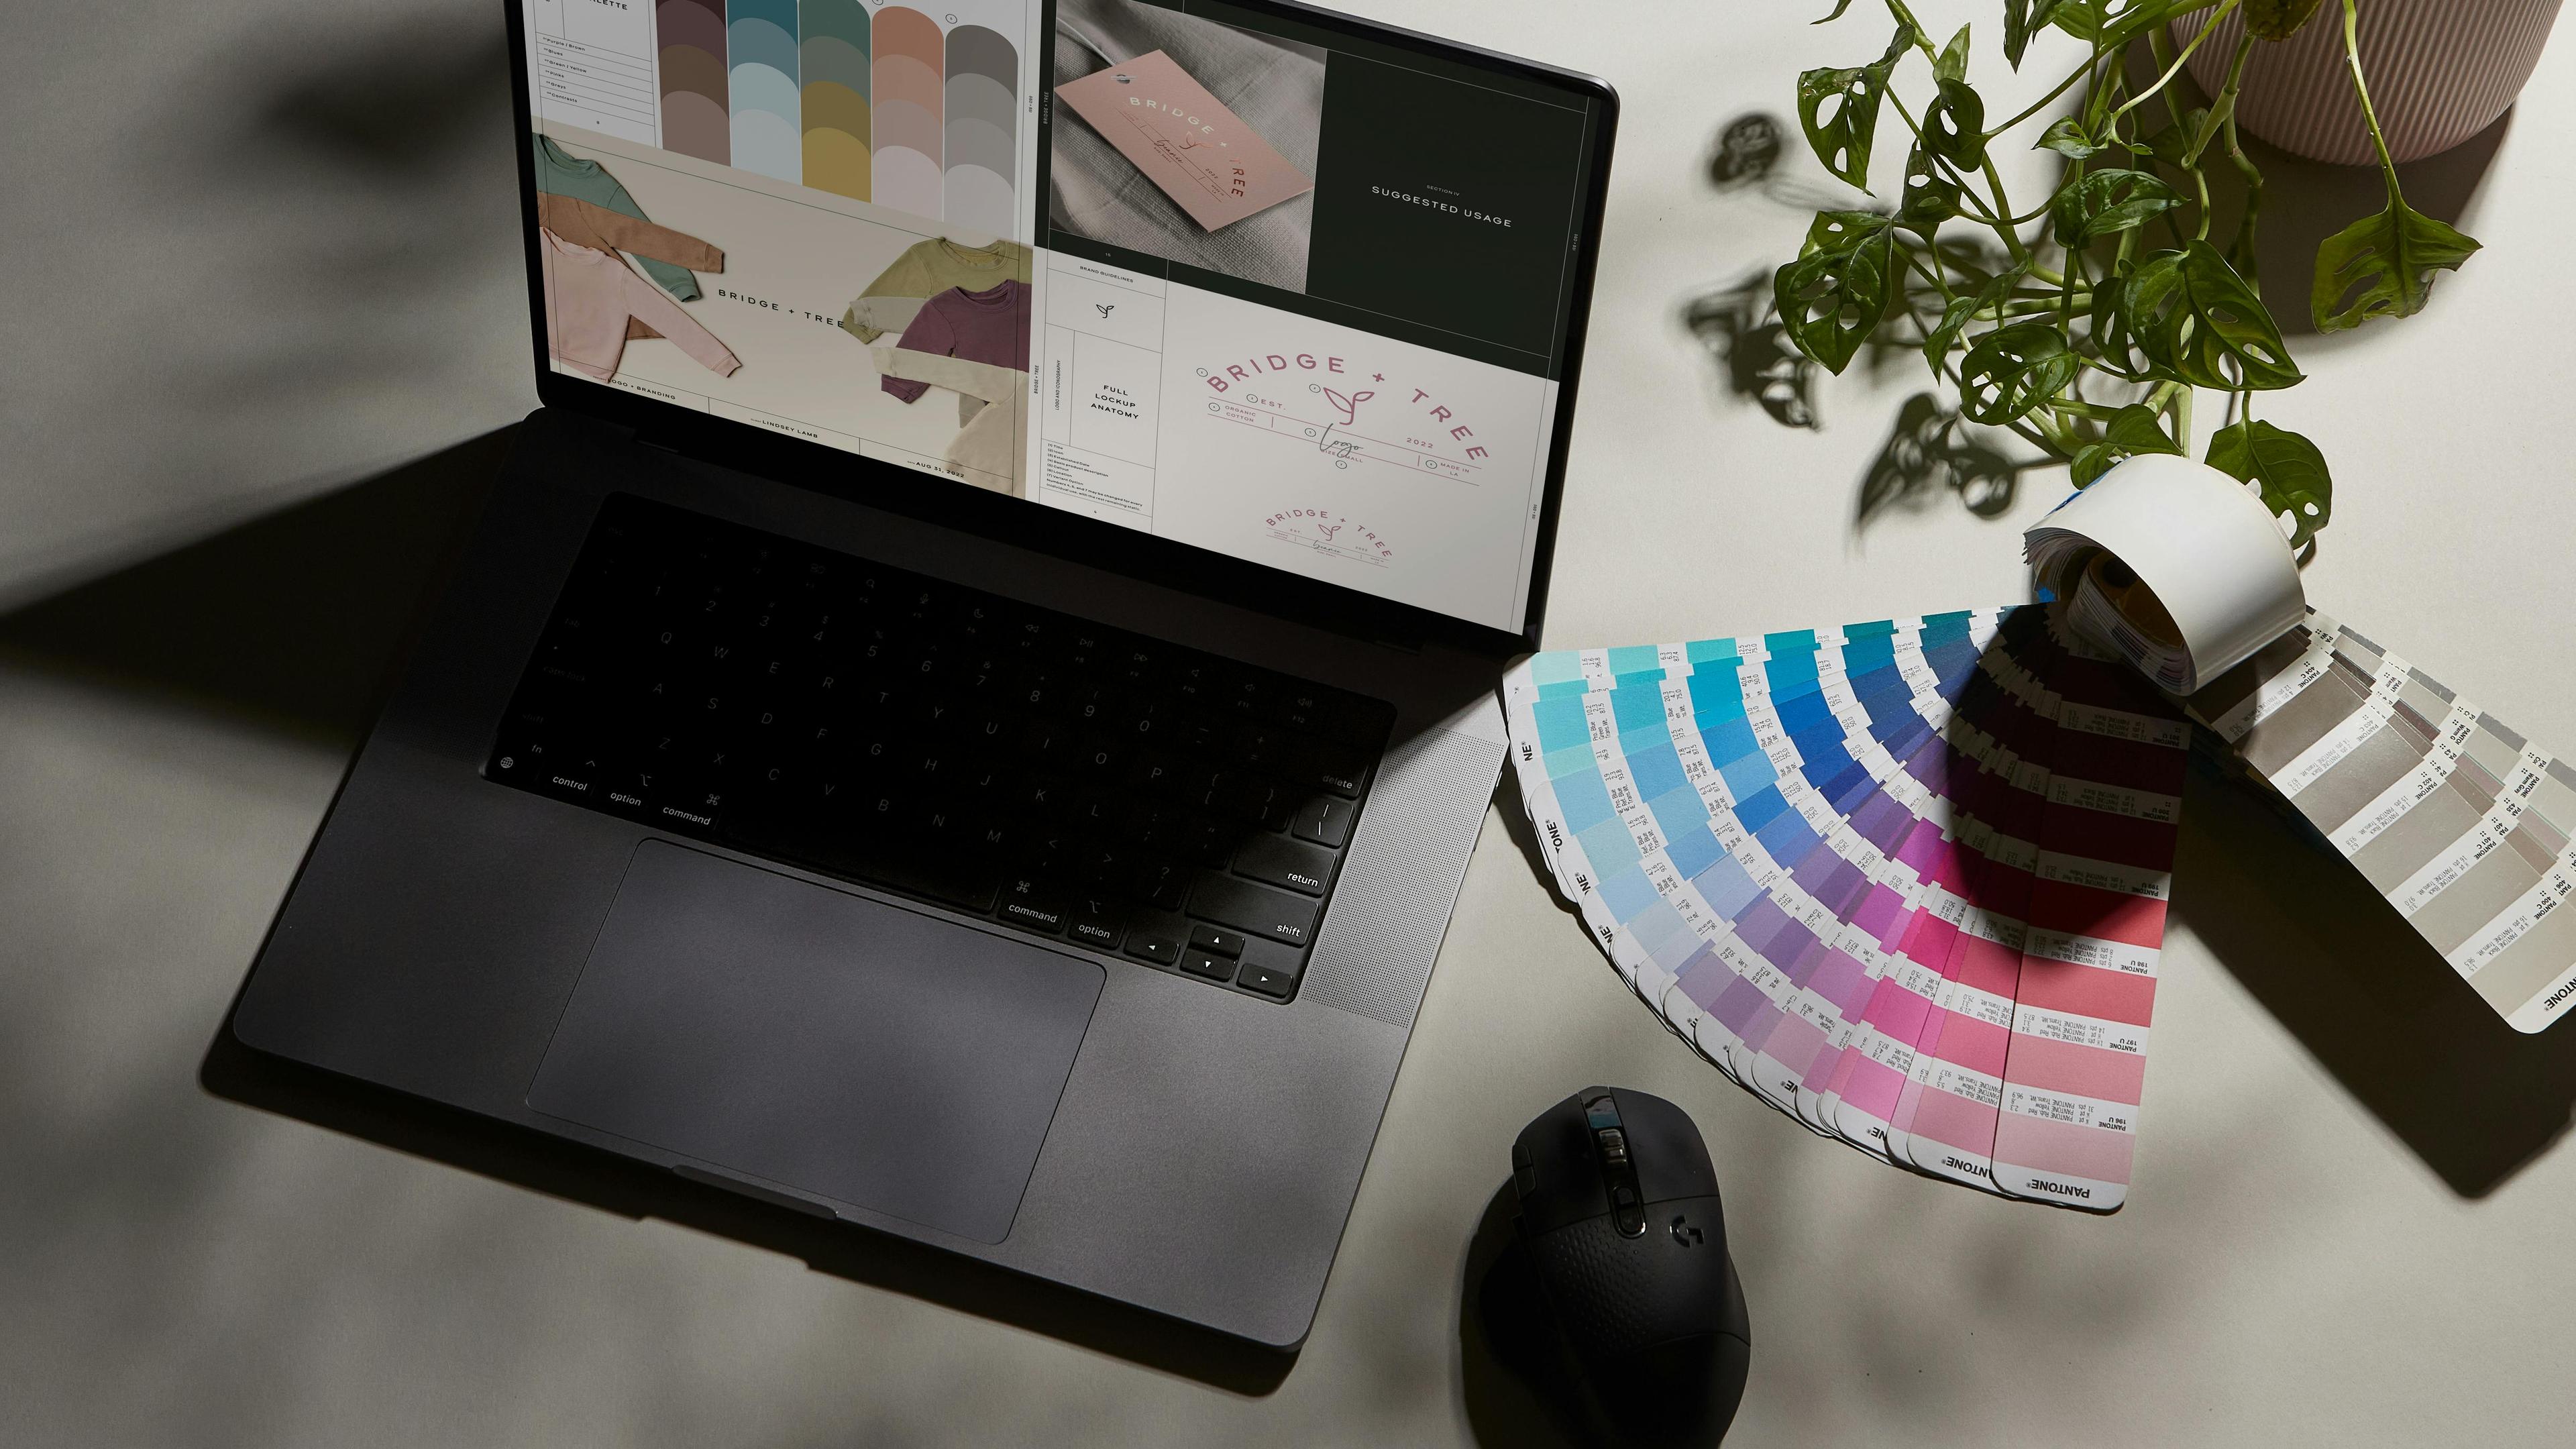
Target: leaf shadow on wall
<point x="1933" y="455"/>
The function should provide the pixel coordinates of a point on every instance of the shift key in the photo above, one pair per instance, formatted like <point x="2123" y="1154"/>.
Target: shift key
<point x="1254" y="910"/>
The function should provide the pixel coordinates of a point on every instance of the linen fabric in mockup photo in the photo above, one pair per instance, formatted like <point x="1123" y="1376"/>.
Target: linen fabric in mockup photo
<point x="1275" y="86"/>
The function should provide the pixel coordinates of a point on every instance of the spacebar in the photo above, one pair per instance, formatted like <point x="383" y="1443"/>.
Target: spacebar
<point x="1254" y="910"/>
<point x="852" y="853"/>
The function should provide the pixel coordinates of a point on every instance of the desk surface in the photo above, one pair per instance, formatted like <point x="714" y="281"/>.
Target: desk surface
<point x="2349" y="1222"/>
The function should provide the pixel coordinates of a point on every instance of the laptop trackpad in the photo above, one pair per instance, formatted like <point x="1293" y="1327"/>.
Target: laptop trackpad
<point x="819" y="1040"/>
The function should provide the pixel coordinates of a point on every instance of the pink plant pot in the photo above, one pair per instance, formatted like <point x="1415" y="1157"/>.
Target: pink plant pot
<point x="2440" y="71"/>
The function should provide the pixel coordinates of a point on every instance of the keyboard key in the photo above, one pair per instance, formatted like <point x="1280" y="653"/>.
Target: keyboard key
<point x="1325" y="820"/>
<point x="1162" y="883"/>
<point x="1255" y="910"/>
<point x="1038" y="910"/>
<point x="1266" y="980"/>
<point x="926" y="739"/>
<point x="1342" y="773"/>
<point x="1161" y="950"/>
<point x="1097" y="923"/>
<point x="1302" y="868"/>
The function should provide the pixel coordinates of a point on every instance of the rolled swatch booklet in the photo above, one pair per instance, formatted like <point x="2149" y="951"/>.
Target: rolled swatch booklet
<point x="1905" y="880"/>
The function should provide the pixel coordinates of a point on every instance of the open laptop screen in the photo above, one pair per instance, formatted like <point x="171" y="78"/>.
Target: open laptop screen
<point x="1293" y="294"/>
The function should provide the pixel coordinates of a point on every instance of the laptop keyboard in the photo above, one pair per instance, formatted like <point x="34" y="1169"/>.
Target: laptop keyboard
<point x="939" y="742"/>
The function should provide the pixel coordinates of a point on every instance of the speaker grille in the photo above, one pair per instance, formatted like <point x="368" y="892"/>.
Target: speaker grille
<point x="1401" y="881"/>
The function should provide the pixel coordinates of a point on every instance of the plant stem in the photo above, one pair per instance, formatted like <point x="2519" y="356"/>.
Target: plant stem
<point x="2003" y="207"/>
<point x="2041" y="104"/>
<point x="2175" y="69"/>
<point x="2222" y="110"/>
<point x="2361" y="92"/>
<point x="2253" y="177"/>
<point x="1922" y="39"/>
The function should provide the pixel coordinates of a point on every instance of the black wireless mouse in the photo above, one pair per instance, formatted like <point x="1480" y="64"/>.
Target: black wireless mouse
<point x="1620" y="1220"/>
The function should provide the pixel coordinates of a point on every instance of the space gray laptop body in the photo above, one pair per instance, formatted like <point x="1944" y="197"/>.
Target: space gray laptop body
<point x="800" y="1035"/>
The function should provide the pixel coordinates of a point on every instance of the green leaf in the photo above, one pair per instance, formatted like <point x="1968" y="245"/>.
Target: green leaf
<point x="2190" y="313"/>
<point x="1839" y="7"/>
<point x="2012" y="370"/>
<point x="2112" y="340"/>
<point x="2132" y="430"/>
<point x="1953" y="64"/>
<point x="2097" y="21"/>
<point x="2108" y="202"/>
<point x="1842" y="139"/>
<point x="2277" y="19"/>
<point x="2169" y="141"/>
<point x="2385" y="263"/>
<point x="2287" y="468"/>
<point x="1832" y="297"/>
<point x="1954" y="125"/>
<point x="1931" y="196"/>
<point x="2067" y="139"/>
<point x="2022" y="20"/>
<point x="1945" y="334"/>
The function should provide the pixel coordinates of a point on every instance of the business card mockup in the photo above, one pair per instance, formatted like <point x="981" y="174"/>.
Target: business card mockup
<point x="1185" y="140"/>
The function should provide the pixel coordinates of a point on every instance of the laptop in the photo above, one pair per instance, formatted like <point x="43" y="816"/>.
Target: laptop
<point x="968" y="709"/>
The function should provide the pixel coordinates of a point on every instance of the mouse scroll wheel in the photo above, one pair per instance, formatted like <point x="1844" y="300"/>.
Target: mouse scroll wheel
<point x="1614" y="1146"/>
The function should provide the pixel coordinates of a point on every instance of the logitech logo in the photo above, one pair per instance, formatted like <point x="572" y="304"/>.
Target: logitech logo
<point x="2062" y="1189"/>
<point x="1685" y="1233"/>
<point x="1970" y="1168"/>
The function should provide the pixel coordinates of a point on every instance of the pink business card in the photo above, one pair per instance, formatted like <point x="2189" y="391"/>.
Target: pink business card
<point x="1199" y="152"/>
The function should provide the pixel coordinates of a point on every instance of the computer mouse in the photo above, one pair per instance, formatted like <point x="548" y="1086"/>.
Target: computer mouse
<point x="1620" y="1222"/>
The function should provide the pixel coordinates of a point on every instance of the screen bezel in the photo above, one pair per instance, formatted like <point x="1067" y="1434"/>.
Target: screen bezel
<point x="1026" y="523"/>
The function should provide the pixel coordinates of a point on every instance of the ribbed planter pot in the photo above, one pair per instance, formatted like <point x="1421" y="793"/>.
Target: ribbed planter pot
<point x="2440" y="71"/>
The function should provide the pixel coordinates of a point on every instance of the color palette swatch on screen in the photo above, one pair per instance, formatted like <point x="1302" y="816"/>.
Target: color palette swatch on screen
<point x="1905" y="880"/>
<point x="760" y="79"/>
<point x="696" y="120"/>
<point x="2462" y="823"/>
<point x="890" y="105"/>
<point x="832" y="60"/>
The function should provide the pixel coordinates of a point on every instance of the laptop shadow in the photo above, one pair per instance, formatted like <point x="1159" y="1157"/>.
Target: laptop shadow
<point x="575" y="1173"/>
<point x="2373" y="1003"/>
<point x="294" y="622"/>
<point x="297" y="623"/>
